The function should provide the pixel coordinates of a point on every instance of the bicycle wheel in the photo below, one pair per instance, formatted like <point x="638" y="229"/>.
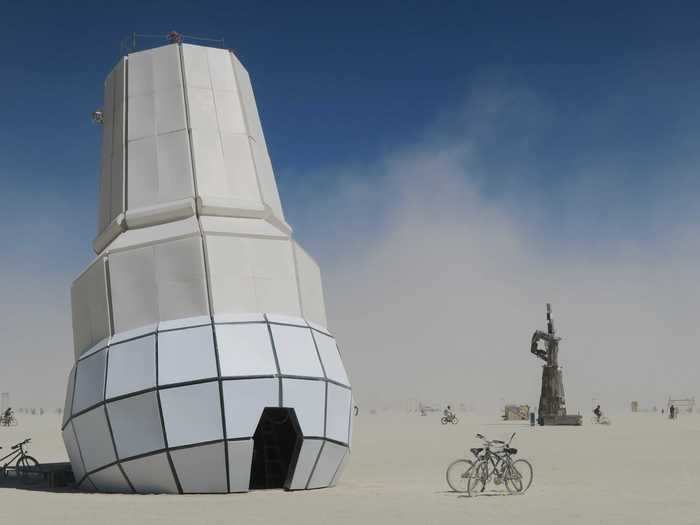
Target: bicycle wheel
<point x="455" y="420"/>
<point x="479" y="475"/>
<point x="518" y="476"/>
<point x="457" y="474"/>
<point x="443" y="421"/>
<point x="27" y="469"/>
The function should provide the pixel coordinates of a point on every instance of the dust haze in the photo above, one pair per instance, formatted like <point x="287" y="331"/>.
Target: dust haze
<point x="435" y="276"/>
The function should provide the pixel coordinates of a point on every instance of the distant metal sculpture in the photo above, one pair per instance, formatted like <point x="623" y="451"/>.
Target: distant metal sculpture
<point x="552" y="409"/>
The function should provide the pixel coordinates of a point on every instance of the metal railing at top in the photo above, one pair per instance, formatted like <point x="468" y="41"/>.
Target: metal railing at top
<point x="139" y="42"/>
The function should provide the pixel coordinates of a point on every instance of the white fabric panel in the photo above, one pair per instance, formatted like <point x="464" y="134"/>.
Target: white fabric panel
<point x="68" y="404"/>
<point x="151" y="474"/>
<point x="186" y="355"/>
<point x="244" y="401"/>
<point x="296" y="352"/>
<point x="94" y="439"/>
<point x="90" y="307"/>
<point x="187" y="322"/>
<point x="245" y="350"/>
<point x="338" y="413"/>
<point x="305" y="463"/>
<point x="328" y="463"/>
<point x="173" y="229"/>
<point x="201" y="469"/>
<point x="240" y="226"/>
<point x="229" y="112"/>
<point x="134" y="288"/>
<point x="132" y="366"/>
<point x="208" y="160"/>
<point x="196" y="66"/>
<point x="266" y="178"/>
<point x="110" y="479"/>
<point x="331" y="358"/>
<point x="192" y="414"/>
<point x="73" y="452"/>
<point x="159" y="169"/>
<point x="307" y="398"/>
<point x="90" y="381"/>
<point x="310" y="287"/>
<point x="240" y="457"/>
<point x="106" y="153"/>
<point x="247" y="98"/>
<point x="252" y="275"/>
<point x="339" y="472"/>
<point x="158" y="283"/>
<point x="160" y="213"/>
<point x="136" y="425"/>
<point x="202" y="110"/>
<point x="142" y="116"/>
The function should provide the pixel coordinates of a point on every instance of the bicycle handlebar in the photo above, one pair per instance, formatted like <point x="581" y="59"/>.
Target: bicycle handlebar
<point x="15" y="447"/>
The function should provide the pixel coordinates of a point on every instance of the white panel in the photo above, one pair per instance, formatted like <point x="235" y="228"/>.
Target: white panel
<point x="143" y="172"/>
<point x="221" y="70"/>
<point x="174" y="168"/>
<point x="134" y="290"/>
<point x="94" y="439"/>
<point x="140" y="73"/>
<point x="132" y="366"/>
<point x="307" y="399"/>
<point x="110" y="479"/>
<point x="266" y="178"/>
<point x="240" y="169"/>
<point x="296" y="352"/>
<point x="196" y="66"/>
<point x="329" y="461"/>
<point x="90" y="307"/>
<point x="202" y="109"/>
<point x="277" y="295"/>
<point x="310" y="287"/>
<point x="182" y="288"/>
<point x="239" y="318"/>
<point x="192" y="414"/>
<point x="151" y="475"/>
<point x="341" y="468"/>
<point x="136" y="425"/>
<point x="106" y="153"/>
<point x="117" y="168"/>
<point x="240" y="456"/>
<point x="186" y="355"/>
<point x="271" y="258"/>
<point x="134" y="333"/>
<point x="248" y="101"/>
<point x="142" y="117"/>
<point x="331" y="358"/>
<point x="90" y="382"/>
<point x="229" y="112"/>
<point x="68" y="404"/>
<point x="208" y="160"/>
<point x="201" y="469"/>
<point x="155" y="69"/>
<point x="186" y="322"/>
<point x="244" y="401"/>
<point x="305" y="463"/>
<point x="169" y="230"/>
<point x="287" y="319"/>
<point x="338" y="413"/>
<point x="160" y="213"/>
<point x="169" y="111"/>
<point x="232" y="286"/>
<point x="73" y="452"/>
<point x="240" y="226"/>
<point x="245" y="350"/>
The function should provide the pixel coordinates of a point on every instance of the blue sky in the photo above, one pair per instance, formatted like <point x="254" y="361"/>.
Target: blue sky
<point x="572" y="127"/>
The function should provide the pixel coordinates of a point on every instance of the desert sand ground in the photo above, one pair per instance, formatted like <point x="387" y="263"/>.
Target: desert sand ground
<point x="642" y="469"/>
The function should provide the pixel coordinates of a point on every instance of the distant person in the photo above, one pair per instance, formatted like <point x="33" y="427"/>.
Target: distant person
<point x="448" y="411"/>
<point x="8" y="413"/>
<point x="598" y="413"/>
<point x="672" y="412"/>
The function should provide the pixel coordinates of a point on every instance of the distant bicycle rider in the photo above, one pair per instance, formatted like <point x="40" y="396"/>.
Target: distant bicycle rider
<point x="598" y="413"/>
<point x="448" y="412"/>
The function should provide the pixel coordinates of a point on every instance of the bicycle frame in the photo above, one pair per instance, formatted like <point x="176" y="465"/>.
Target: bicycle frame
<point x="15" y="454"/>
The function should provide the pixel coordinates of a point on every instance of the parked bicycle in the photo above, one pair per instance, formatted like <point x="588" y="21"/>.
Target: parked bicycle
<point x="449" y="418"/>
<point x="25" y="466"/>
<point x="495" y="463"/>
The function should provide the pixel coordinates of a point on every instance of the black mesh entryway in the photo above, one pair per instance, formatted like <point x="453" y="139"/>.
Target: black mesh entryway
<point x="276" y="444"/>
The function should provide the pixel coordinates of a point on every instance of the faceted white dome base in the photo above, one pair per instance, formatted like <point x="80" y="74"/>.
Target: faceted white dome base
<point x="176" y="408"/>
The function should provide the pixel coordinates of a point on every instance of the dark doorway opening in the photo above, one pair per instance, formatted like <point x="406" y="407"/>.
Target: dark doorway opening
<point x="276" y="445"/>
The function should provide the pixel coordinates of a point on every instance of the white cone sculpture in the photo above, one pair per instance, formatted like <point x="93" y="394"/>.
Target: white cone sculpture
<point x="203" y="362"/>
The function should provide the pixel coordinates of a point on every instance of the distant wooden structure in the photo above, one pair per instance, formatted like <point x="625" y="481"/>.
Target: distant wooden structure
<point x="516" y="413"/>
<point x="682" y="405"/>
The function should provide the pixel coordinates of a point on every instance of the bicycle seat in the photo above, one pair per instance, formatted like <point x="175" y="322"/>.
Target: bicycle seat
<point x="498" y="441"/>
<point x="512" y="450"/>
<point x="476" y="451"/>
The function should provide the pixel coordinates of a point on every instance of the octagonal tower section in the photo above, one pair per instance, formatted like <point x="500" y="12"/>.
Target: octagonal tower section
<point x="203" y="359"/>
